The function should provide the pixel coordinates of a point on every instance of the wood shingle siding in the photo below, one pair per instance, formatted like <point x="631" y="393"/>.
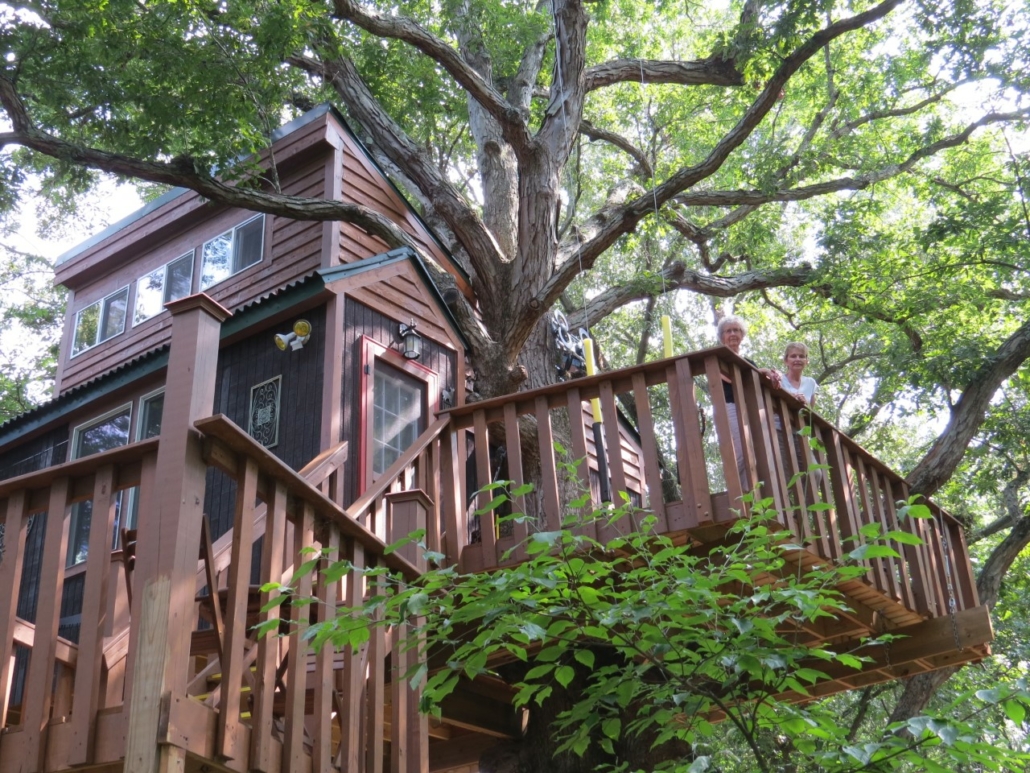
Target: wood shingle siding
<point x="253" y="361"/>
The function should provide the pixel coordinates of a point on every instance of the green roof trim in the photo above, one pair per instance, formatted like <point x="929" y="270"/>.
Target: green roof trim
<point x="397" y="255"/>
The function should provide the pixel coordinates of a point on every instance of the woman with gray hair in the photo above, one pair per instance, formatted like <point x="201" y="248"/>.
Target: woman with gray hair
<point x="731" y="332"/>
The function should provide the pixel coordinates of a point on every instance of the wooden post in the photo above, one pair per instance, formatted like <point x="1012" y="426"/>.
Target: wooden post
<point x="16" y="531"/>
<point x="38" y="685"/>
<point x="406" y="512"/>
<point x="169" y="532"/>
<point x="332" y="389"/>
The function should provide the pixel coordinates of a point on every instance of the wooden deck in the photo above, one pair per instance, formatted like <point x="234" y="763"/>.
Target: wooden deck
<point x="241" y="703"/>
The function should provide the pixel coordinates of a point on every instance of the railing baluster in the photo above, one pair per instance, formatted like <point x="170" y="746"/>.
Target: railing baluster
<point x="91" y="632"/>
<point x="297" y="668"/>
<point x="649" y="447"/>
<point x="764" y="447"/>
<point x="376" y="702"/>
<point x="549" y="473"/>
<point x="268" y="645"/>
<point x="905" y="575"/>
<point x="726" y="435"/>
<point x="869" y="515"/>
<point x="484" y="476"/>
<point x="16" y="529"/>
<point x="580" y="458"/>
<point x="513" y="448"/>
<point x="229" y="745"/>
<point x="38" y="686"/>
<point x="961" y="566"/>
<point x="891" y="564"/>
<point x="325" y="610"/>
<point x="452" y="501"/>
<point x="843" y="501"/>
<point x="434" y="523"/>
<point x="616" y="467"/>
<point x="793" y="469"/>
<point x="914" y="565"/>
<point x="690" y="453"/>
<point x="352" y="700"/>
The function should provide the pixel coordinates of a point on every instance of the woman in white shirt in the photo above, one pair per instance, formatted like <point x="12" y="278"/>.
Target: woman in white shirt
<point x="803" y="387"/>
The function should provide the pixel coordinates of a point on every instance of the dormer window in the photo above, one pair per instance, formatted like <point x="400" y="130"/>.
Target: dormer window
<point x="232" y="252"/>
<point x="100" y="321"/>
<point x="167" y="283"/>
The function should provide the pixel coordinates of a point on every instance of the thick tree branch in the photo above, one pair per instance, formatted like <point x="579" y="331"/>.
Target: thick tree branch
<point x="183" y="174"/>
<point x="509" y="118"/>
<point x="466" y="225"/>
<point x="595" y="134"/>
<point x="678" y="277"/>
<point x="713" y="71"/>
<point x="604" y="230"/>
<point x="968" y="413"/>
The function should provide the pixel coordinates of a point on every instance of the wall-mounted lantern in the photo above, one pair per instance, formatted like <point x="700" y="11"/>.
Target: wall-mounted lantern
<point x="296" y="338"/>
<point x="411" y="342"/>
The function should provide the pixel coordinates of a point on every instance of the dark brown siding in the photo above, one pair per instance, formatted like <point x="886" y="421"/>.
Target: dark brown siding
<point x="36" y="454"/>
<point x="361" y="320"/>
<point x="253" y="361"/>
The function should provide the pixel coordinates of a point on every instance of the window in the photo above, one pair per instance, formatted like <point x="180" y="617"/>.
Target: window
<point x="150" y="409"/>
<point x="396" y="416"/>
<point x="100" y="321"/>
<point x="167" y="283"/>
<point x="232" y="251"/>
<point x="397" y="397"/>
<point x="148" y="425"/>
<point x="107" y="432"/>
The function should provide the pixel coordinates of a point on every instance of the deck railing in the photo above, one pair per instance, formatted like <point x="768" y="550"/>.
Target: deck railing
<point x="269" y="703"/>
<point x="683" y="428"/>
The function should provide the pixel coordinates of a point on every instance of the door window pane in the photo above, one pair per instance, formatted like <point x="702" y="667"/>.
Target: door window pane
<point x="396" y="416"/>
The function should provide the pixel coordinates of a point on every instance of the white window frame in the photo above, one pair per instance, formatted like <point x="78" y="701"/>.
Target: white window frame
<point x="192" y="255"/>
<point x="139" y="411"/>
<point x="373" y="354"/>
<point x="77" y="432"/>
<point x="103" y="303"/>
<point x="133" y="493"/>
<point x="232" y="257"/>
<point x="74" y="454"/>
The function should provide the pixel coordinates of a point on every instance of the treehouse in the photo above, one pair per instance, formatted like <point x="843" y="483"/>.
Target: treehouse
<point x="236" y="388"/>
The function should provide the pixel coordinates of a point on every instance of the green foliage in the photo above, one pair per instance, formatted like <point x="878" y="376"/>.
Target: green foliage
<point x="659" y="641"/>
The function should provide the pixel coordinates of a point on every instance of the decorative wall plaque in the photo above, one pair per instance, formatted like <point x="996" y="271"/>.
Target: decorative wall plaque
<point x="264" y="412"/>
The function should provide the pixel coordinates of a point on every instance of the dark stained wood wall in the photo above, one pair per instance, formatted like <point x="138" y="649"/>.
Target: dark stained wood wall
<point x="252" y="361"/>
<point x="38" y="453"/>
<point x="361" y="320"/>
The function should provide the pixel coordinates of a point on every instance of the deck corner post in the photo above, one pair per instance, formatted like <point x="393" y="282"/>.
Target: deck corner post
<point x="169" y="531"/>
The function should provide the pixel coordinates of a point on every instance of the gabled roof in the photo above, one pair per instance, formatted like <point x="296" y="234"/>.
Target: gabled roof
<point x="400" y="255"/>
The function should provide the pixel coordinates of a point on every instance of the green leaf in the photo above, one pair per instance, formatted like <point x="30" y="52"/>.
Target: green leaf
<point x="1015" y="711"/>
<point x="586" y="657"/>
<point x="612" y="728"/>
<point x="903" y="537"/>
<point x="565" y="675"/>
